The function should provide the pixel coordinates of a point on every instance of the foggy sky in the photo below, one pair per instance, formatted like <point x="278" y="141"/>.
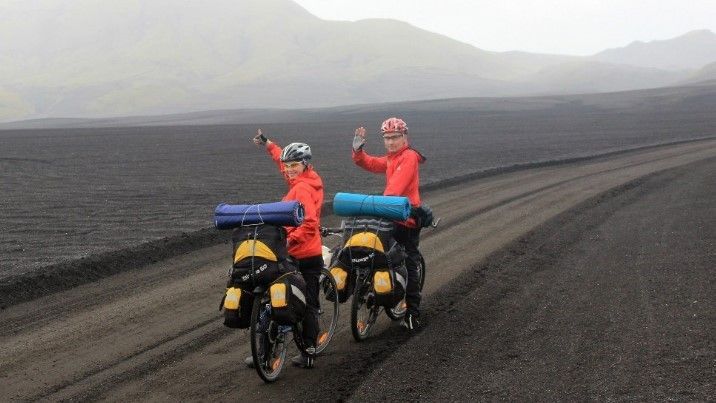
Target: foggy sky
<point x="572" y="27"/>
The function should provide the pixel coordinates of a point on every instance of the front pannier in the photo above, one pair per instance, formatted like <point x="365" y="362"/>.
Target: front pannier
<point x="288" y="299"/>
<point x="237" y="306"/>
<point x="389" y="285"/>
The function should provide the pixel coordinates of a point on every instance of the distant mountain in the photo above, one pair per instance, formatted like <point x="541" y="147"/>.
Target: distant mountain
<point x="687" y="52"/>
<point x="695" y="97"/>
<point x="92" y="58"/>
<point x="590" y="77"/>
<point x="707" y="73"/>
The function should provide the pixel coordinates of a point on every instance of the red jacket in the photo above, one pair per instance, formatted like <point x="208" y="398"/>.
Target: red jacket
<point x="305" y="240"/>
<point x="401" y="173"/>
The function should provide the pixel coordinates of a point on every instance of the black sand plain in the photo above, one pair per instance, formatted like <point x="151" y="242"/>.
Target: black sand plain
<point x="610" y="301"/>
<point x="75" y="195"/>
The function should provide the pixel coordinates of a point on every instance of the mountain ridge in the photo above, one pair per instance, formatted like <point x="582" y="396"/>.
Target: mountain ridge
<point x="94" y="58"/>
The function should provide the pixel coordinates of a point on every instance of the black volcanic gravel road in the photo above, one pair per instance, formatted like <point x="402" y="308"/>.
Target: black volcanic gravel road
<point x="68" y="194"/>
<point x="512" y="294"/>
<point x="614" y="300"/>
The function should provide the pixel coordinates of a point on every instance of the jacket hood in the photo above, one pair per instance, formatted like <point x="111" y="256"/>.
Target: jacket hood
<point x="308" y="177"/>
<point x="421" y="157"/>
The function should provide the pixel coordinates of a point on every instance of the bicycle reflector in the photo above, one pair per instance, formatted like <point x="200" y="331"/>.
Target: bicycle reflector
<point x="340" y="276"/>
<point x="233" y="296"/>
<point x="278" y="295"/>
<point x="381" y="282"/>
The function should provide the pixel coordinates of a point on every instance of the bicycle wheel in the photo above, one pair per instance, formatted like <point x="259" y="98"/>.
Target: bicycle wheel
<point x="327" y="311"/>
<point x="398" y="311"/>
<point x="363" y="311"/>
<point x="268" y="346"/>
<point x="422" y="272"/>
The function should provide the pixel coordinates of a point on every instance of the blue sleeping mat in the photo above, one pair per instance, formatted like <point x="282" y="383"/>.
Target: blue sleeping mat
<point x="389" y="207"/>
<point x="288" y="213"/>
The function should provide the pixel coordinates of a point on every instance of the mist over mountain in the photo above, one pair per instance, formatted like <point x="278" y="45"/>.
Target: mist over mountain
<point x="92" y="58"/>
<point x="706" y="73"/>
<point x="690" y="51"/>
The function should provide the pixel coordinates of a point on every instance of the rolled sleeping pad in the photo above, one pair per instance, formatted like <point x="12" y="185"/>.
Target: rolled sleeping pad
<point x="286" y="213"/>
<point x="395" y="208"/>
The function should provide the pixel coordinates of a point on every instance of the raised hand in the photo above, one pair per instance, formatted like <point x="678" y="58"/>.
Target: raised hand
<point x="359" y="139"/>
<point x="260" y="139"/>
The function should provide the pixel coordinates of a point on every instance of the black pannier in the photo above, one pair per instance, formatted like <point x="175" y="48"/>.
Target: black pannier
<point x="389" y="285"/>
<point x="345" y="282"/>
<point x="288" y="299"/>
<point x="367" y="242"/>
<point x="260" y="256"/>
<point x="237" y="306"/>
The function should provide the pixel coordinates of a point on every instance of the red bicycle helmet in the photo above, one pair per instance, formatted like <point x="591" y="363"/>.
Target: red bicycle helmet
<point x="394" y="125"/>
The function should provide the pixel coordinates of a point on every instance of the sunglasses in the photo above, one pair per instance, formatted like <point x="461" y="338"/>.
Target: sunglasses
<point x="292" y="164"/>
<point x="393" y="137"/>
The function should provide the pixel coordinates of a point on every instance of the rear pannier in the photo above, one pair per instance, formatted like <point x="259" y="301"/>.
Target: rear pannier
<point x="389" y="285"/>
<point x="260" y="256"/>
<point x="288" y="299"/>
<point x="237" y="308"/>
<point x="345" y="282"/>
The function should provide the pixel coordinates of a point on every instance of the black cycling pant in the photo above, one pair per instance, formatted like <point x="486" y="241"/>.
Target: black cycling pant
<point x="409" y="238"/>
<point x="310" y="268"/>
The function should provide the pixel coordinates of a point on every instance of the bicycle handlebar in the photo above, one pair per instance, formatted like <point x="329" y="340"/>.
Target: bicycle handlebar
<point x="326" y="231"/>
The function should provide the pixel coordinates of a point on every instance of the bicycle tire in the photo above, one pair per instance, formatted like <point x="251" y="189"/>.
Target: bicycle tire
<point x="360" y="325"/>
<point x="269" y="370"/>
<point x="422" y="272"/>
<point x="327" y="283"/>
<point x="398" y="311"/>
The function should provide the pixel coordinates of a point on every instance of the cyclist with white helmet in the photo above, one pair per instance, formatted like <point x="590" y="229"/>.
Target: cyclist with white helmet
<point x="401" y="168"/>
<point x="304" y="241"/>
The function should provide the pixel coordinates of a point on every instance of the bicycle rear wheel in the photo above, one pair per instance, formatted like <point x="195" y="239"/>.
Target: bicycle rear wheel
<point x="268" y="344"/>
<point x="364" y="312"/>
<point x="398" y="311"/>
<point x="328" y="310"/>
<point x="422" y="272"/>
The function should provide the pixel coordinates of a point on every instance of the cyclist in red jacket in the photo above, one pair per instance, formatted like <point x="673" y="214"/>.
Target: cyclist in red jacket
<point x="401" y="169"/>
<point x="304" y="241"/>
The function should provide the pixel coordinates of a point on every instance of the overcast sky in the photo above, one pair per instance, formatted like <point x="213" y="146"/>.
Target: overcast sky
<point x="574" y="27"/>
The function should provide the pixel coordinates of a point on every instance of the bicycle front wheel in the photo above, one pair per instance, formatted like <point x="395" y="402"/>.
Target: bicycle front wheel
<point x="327" y="311"/>
<point x="268" y="346"/>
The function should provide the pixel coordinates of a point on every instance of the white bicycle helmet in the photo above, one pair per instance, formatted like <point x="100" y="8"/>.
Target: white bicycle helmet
<point x="296" y="152"/>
